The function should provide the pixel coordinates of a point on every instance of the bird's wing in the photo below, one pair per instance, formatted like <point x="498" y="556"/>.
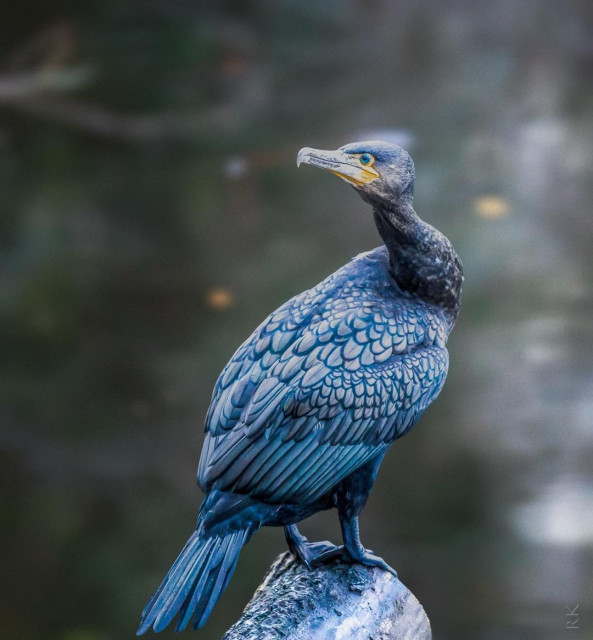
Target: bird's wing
<point x="336" y="392"/>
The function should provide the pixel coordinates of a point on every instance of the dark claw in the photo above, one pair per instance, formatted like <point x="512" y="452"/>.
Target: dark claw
<point x="367" y="558"/>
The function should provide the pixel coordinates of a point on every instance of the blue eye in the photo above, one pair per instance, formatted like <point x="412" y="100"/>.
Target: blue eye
<point x="366" y="158"/>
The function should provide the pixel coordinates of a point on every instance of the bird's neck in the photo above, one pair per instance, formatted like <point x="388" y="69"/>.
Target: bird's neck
<point x="423" y="261"/>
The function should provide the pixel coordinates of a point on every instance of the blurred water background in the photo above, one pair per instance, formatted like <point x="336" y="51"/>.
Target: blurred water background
<point x="153" y="215"/>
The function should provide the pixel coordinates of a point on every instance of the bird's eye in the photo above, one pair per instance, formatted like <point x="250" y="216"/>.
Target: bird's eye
<point x="366" y="158"/>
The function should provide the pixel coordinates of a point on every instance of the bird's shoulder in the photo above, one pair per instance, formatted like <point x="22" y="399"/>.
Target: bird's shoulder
<point x="355" y="319"/>
<point x="351" y="363"/>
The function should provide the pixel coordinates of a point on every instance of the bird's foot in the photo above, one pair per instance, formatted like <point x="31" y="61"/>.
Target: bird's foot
<point x="312" y="554"/>
<point x="367" y="558"/>
<point x="322" y="552"/>
<point x="309" y="553"/>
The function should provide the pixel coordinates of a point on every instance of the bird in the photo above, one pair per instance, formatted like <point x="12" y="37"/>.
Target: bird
<point x="304" y="412"/>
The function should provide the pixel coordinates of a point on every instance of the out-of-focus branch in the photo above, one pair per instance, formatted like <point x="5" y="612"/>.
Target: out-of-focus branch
<point x="26" y="86"/>
<point x="95" y="120"/>
<point x="44" y="95"/>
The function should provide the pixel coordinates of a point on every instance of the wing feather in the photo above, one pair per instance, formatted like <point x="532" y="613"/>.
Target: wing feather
<point x="321" y="387"/>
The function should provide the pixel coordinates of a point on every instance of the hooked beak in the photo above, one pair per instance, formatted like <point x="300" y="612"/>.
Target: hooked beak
<point x="345" y="165"/>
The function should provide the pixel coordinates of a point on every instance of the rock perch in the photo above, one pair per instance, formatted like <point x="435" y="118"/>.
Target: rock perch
<point x="333" y="601"/>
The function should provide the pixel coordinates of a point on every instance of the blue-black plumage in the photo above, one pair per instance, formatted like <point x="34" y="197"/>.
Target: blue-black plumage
<point x="303" y="414"/>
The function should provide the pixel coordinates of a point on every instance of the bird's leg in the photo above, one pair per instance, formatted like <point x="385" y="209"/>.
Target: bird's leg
<point x="309" y="553"/>
<point x="296" y="543"/>
<point x="354" y="549"/>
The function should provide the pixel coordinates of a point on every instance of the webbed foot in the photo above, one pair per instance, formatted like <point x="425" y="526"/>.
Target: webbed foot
<point x="311" y="554"/>
<point x="355" y="551"/>
<point x="368" y="558"/>
<point x="324" y="552"/>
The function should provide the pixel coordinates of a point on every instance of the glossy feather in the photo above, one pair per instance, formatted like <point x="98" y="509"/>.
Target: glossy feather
<point x="360" y="361"/>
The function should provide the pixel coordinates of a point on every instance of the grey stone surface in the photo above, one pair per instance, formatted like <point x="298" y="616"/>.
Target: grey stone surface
<point x="334" y="601"/>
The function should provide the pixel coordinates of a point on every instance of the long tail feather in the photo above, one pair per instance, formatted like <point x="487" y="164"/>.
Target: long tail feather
<point x="195" y="581"/>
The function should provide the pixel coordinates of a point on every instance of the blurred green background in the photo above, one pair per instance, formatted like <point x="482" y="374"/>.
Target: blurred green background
<point x="152" y="216"/>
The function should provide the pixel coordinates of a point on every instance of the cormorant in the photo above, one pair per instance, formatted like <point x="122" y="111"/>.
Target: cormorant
<point x="304" y="412"/>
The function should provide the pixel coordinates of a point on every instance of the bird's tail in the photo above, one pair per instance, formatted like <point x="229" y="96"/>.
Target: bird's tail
<point x="195" y="581"/>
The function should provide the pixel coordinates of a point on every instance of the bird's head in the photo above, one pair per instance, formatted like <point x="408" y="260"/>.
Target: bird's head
<point x="381" y="172"/>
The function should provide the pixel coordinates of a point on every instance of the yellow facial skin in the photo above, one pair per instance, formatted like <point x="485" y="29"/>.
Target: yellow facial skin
<point x="365" y="173"/>
<point x="344" y="165"/>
